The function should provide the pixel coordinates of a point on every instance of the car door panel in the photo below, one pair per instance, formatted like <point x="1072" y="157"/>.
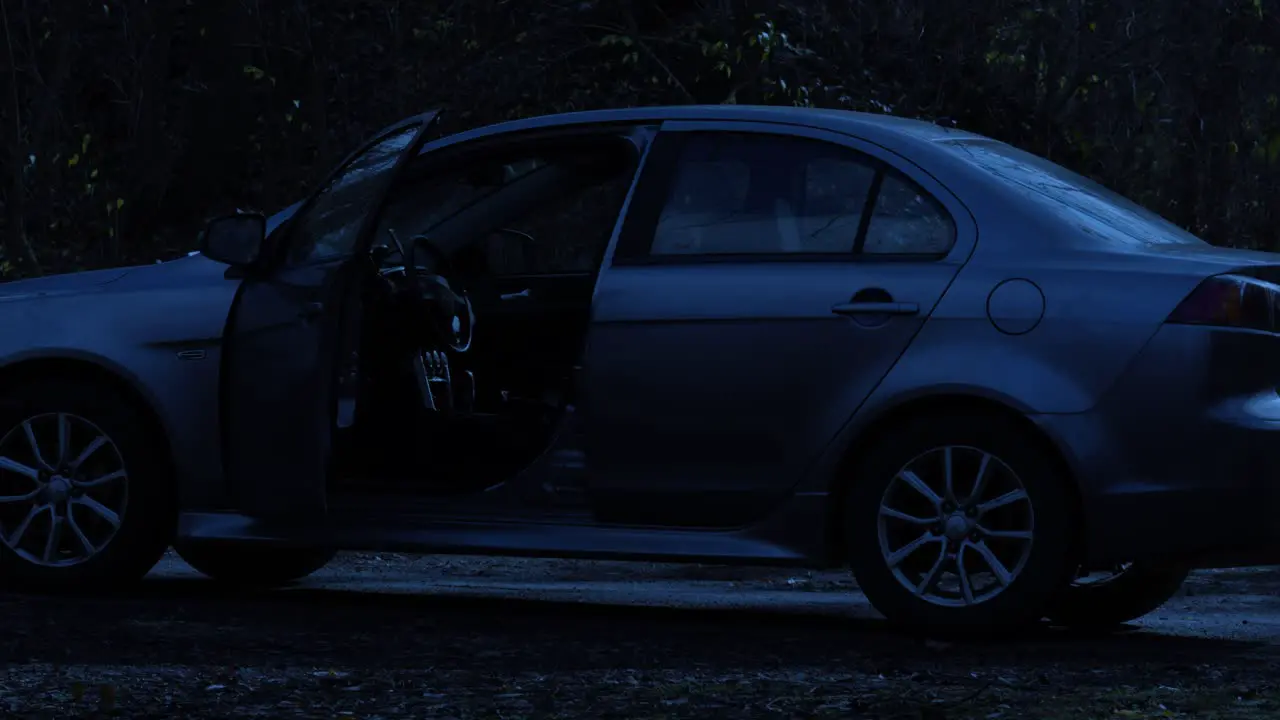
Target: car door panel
<point x="720" y="395"/>
<point x="714" y="386"/>
<point x="284" y="333"/>
<point x="280" y="359"/>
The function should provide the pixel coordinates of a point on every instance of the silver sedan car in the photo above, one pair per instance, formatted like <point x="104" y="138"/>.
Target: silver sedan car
<point x="997" y="391"/>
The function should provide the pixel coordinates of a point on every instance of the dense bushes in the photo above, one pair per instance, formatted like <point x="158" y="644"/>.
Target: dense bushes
<point x="125" y="122"/>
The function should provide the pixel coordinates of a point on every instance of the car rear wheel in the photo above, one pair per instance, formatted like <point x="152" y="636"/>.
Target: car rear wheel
<point x="959" y="525"/>
<point x="253" y="565"/>
<point x="1120" y="595"/>
<point x="86" y="499"/>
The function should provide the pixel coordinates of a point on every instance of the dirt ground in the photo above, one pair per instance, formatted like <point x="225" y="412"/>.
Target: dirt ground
<point x="390" y="636"/>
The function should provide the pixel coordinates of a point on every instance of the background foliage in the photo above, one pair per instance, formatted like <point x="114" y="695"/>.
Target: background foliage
<point x="124" y="123"/>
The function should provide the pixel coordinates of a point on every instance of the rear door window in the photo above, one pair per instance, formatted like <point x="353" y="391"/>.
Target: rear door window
<point x="753" y="194"/>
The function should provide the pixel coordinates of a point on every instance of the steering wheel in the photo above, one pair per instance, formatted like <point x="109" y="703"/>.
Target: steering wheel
<point x="452" y="314"/>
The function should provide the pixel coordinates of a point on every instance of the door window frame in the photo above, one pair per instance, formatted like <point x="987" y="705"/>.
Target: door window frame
<point x="451" y="152"/>
<point x="283" y="239"/>
<point x="651" y="190"/>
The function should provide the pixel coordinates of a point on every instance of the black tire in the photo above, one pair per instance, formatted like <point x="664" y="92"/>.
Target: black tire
<point x="1131" y="593"/>
<point x="1046" y="569"/>
<point x="147" y="516"/>
<point x="252" y="565"/>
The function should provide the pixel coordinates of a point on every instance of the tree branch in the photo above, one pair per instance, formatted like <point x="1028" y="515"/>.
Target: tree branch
<point x="18" y="241"/>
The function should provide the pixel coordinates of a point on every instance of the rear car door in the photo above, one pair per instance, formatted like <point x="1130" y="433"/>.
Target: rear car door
<point x="286" y="330"/>
<point x="766" y="279"/>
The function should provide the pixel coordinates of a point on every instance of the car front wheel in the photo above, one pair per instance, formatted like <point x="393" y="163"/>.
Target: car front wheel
<point x="1117" y="596"/>
<point x="86" y="499"/>
<point x="960" y="525"/>
<point x="253" y="565"/>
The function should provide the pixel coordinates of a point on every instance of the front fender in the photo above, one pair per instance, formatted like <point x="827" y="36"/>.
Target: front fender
<point x="159" y="331"/>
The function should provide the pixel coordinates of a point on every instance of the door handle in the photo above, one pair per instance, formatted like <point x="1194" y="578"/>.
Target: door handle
<point x="311" y="310"/>
<point x="514" y="295"/>
<point x="876" y="308"/>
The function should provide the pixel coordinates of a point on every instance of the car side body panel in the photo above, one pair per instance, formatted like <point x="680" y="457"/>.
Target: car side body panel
<point x="170" y="358"/>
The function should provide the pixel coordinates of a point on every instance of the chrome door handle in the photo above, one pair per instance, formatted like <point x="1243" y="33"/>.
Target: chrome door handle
<point x="876" y="308"/>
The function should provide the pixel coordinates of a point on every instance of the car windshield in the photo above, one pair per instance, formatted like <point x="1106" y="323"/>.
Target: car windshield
<point x="1106" y="218"/>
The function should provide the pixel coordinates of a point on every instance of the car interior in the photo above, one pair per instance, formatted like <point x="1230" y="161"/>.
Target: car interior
<point x="475" y="315"/>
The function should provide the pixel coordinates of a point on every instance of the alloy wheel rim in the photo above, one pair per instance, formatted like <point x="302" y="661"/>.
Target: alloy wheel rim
<point x="956" y="526"/>
<point x="64" y="490"/>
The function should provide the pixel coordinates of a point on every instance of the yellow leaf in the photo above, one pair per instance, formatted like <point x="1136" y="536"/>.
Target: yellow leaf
<point x="1093" y="27"/>
<point x="84" y="142"/>
<point x="93" y="174"/>
<point x="254" y="72"/>
<point x="288" y="117"/>
<point x="74" y="160"/>
<point x="119" y="203"/>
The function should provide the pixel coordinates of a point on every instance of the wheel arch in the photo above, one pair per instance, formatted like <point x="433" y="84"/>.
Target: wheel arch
<point x="66" y="367"/>
<point x="893" y="416"/>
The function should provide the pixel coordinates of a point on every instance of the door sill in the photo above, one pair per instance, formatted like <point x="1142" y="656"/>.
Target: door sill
<point x="498" y="537"/>
<point x="475" y="507"/>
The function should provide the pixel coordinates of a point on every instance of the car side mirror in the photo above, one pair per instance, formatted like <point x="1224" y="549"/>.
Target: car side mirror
<point x="234" y="239"/>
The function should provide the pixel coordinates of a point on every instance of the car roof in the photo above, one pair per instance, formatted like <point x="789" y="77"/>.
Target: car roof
<point x="871" y="126"/>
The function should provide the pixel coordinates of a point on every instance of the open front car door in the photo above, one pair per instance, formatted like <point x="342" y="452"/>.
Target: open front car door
<point x="285" y="330"/>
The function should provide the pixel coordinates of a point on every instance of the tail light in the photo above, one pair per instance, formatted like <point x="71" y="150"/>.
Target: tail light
<point x="1231" y="301"/>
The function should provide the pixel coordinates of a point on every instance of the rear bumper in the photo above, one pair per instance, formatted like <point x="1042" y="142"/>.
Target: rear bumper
<point x="1181" y="459"/>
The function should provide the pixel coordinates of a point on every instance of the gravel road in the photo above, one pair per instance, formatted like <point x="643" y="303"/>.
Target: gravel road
<point x="393" y="636"/>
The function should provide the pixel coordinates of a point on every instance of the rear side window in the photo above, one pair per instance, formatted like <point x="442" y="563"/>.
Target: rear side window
<point x="763" y="194"/>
